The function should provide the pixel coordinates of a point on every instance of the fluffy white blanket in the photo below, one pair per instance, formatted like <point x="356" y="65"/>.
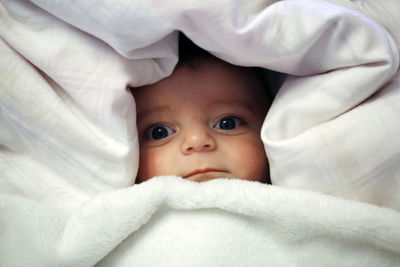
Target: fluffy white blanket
<point x="68" y="142"/>
<point x="172" y="222"/>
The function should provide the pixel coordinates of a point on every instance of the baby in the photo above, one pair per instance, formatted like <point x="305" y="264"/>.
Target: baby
<point x="203" y="122"/>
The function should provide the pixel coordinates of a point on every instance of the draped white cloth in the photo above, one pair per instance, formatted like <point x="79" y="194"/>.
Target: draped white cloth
<point x="67" y="122"/>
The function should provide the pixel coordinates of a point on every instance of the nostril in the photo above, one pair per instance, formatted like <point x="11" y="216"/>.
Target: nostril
<point x="208" y="147"/>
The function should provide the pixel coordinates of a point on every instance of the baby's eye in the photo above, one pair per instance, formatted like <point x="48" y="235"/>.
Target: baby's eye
<point x="159" y="132"/>
<point x="228" y="123"/>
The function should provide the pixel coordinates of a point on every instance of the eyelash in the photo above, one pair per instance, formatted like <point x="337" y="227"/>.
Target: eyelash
<point x="170" y="130"/>
<point x="152" y="127"/>
<point x="238" y="122"/>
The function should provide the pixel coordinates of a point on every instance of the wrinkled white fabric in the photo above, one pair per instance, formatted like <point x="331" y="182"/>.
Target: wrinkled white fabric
<point x="68" y="124"/>
<point x="322" y="135"/>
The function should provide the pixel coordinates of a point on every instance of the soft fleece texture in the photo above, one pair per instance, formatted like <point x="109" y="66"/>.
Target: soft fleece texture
<point x="68" y="136"/>
<point x="173" y="222"/>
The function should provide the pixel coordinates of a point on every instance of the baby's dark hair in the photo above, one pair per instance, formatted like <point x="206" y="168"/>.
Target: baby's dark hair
<point x="191" y="55"/>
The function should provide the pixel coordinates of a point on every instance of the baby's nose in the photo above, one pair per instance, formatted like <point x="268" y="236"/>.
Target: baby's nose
<point x="198" y="139"/>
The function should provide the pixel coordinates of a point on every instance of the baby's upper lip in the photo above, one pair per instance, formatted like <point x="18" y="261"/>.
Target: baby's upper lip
<point x="205" y="170"/>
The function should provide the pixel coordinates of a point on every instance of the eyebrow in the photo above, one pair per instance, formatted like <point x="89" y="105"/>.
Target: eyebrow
<point x="147" y="112"/>
<point x="230" y="102"/>
<point x="225" y="102"/>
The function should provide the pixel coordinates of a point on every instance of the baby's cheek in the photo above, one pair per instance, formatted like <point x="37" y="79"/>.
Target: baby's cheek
<point x="154" y="162"/>
<point x="253" y="160"/>
<point x="250" y="148"/>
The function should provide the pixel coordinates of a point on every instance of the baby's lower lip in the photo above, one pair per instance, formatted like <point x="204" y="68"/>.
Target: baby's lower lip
<point x="205" y="175"/>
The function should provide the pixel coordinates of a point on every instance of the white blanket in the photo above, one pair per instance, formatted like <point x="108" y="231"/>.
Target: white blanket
<point x="68" y="136"/>
<point x="173" y="222"/>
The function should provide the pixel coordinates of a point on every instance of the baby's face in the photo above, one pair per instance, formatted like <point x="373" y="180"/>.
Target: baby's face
<point x="202" y="123"/>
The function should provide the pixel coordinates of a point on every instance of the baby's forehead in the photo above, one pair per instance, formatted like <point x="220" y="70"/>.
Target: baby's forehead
<point x="207" y="80"/>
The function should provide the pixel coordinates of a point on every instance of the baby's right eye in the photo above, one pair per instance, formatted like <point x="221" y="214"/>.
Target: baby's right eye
<point x="158" y="132"/>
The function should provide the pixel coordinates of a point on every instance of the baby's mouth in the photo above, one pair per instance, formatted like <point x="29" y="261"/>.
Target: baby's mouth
<point x="206" y="174"/>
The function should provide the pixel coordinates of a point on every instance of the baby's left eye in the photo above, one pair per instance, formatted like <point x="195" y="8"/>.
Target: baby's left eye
<point x="228" y="123"/>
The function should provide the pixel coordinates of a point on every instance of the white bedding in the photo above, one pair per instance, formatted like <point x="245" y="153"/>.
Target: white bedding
<point x="172" y="222"/>
<point x="68" y="136"/>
